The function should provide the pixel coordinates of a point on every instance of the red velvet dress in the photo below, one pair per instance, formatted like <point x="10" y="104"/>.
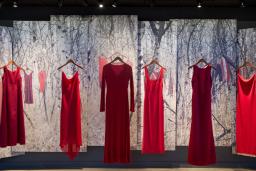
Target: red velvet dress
<point x="153" y="122"/>
<point x="12" y="127"/>
<point x="70" y="119"/>
<point x="116" y="78"/>
<point x="201" y="150"/>
<point x="246" y="116"/>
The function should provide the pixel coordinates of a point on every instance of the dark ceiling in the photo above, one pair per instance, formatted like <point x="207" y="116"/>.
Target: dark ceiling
<point x="131" y="3"/>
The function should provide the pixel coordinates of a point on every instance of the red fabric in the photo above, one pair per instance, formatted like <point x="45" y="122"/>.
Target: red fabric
<point x="117" y="130"/>
<point x="246" y="116"/>
<point x="70" y="121"/>
<point x="42" y="80"/>
<point x="153" y="122"/>
<point x="201" y="150"/>
<point x="12" y="127"/>
<point x="102" y="61"/>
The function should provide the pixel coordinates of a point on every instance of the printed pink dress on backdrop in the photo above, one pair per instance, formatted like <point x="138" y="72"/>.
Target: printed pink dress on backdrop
<point x="153" y="122"/>
<point x="12" y="127"/>
<point x="70" y="117"/>
<point x="201" y="150"/>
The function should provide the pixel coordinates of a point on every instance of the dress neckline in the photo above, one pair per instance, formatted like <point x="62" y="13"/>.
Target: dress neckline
<point x="70" y="78"/>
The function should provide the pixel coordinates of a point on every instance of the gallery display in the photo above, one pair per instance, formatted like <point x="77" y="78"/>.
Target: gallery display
<point x="126" y="85"/>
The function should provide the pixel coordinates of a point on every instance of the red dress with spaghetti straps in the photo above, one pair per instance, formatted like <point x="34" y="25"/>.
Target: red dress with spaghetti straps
<point x="70" y="123"/>
<point x="201" y="150"/>
<point x="153" y="121"/>
<point x="115" y="79"/>
<point x="246" y="116"/>
<point x="12" y="127"/>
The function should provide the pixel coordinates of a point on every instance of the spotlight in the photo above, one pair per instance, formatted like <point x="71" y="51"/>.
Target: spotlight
<point x="101" y="5"/>
<point x="242" y="4"/>
<point x="114" y="5"/>
<point x="15" y="4"/>
<point x="199" y="5"/>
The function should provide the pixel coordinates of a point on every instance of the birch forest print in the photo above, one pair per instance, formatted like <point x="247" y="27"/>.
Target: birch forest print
<point x="157" y="41"/>
<point x="215" y="41"/>
<point x="41" y="47"/>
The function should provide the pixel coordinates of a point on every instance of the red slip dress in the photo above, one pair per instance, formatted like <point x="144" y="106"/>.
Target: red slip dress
<point x="70" y="117"/>
<point x="12" y="127"/>
<point x="201" y="150"/>
<point x="153" y="122"/>
<point x="115" y="79"/>
<point x="246" y="116"/>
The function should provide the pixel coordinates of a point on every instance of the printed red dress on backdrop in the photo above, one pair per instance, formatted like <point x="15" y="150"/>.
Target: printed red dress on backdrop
<point x="246" y="116"/>
<point x="153" y="122"/>
<point x="116" y="78"/>
<point x="70" y="117"/>
<point x="12" y="127"/>
<point x="201" y="150"/>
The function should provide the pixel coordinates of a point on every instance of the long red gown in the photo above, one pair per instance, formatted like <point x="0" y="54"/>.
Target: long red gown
<point x="117" y="130"/>
<point x="201" y="150"/>
<point x="246" y="116"/>
<point x="70" y="121"/>
<point x="153" y="122"/>
<point x="12" y="127"/>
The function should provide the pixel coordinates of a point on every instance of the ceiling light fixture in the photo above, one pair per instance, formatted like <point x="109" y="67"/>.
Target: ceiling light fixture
<point x="152" y="4"/>
<point x="15" y="4"/>
<point x="242" y="4"/>
<point x="114" y="5"/>
<point x="60" y="3"/>
<point x="199" y="5"/>
<point x="101" y="5"/>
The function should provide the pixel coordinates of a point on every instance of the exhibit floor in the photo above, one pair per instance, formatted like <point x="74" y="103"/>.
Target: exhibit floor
<point x="154" y="169"/>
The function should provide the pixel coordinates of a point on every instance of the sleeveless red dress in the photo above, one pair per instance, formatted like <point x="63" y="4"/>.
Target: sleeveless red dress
<point x="12" y="127"/>
<point x="70" y="119"/>
<point x="201" y="150"/>
<point x="117" y="78"/>
<point x="246" y="116"/>
<point x="153" y="122"/>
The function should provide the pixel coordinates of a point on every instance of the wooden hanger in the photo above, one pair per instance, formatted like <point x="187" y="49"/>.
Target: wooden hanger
<point x="154" y="61"/>
<point x="117" y="59"/>
<point x="199" y="61"/>
<point x="245" y="64"/>
<point x="70" y="61"/>
<point x="12" y="62"/>
<point x="119" y="54"/>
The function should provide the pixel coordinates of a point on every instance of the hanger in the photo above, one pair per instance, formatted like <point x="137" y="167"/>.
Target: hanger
<point x="12" y="62"/>
<point x="119" y="54"/>
<point x="245" y="64"/>
<point x="118" y="58"/>
<point x="70" y="61"/>
<point x="154" y="61"/>
<point x="199" y="61"/>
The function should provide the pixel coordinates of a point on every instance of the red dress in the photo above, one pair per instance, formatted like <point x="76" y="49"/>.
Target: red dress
<point x="153" y="122"/>
<point x="117" y="129"/>
<point x="201" y="150"/>
<point x="12" y="127"/>
<point x="70" y="120"/>
<point x="246" y="116"/>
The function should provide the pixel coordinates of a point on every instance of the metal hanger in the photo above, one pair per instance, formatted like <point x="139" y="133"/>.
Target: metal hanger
<point x="199" y="61"/>
<point x="154" y="61"/>
<point x="70" y="61"/>
<point x="12" y="62"/>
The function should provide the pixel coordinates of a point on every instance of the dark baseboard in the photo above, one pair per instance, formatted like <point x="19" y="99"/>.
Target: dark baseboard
<point x="94" y="157"/>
